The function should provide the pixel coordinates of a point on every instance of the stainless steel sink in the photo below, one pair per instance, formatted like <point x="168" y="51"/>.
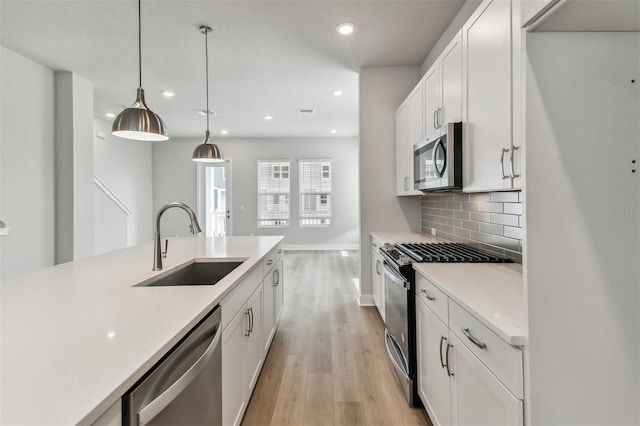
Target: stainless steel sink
<point x="203" y="273"/>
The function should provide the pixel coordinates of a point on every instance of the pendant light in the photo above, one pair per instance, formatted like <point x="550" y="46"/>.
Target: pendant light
<point x="138" y="122"/>
<point x="207" y="151"/>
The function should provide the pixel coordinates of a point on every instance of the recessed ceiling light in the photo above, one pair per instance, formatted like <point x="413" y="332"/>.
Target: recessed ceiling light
<point x="168" y="94"/>
<point x="203" y="112"/>
<point x="334" y="131"/>
<point x="224" y="132"/>
<point x="345" y="28"/>
<point x="268" y="117"/>
<point x="338" y="93"/>
<point x="110" y="114"/>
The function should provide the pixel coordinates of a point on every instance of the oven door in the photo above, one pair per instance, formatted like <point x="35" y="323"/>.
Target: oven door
<point x="397" y="326"/>
<point x="430" y="163"/>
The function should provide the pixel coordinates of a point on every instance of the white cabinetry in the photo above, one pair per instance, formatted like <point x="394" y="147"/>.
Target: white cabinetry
<point x="491" y="160"/>
<point x="111" y="417"/>
<point x="466" y="373"/>
<point x="409" y="130"/>
<point x="442" y="85"/>
<point x="242" y="356"/>
<point x="250" y="315"/>
<point x="377" y="278"/>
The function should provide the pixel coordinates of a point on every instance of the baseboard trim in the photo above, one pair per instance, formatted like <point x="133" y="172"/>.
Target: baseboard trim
<point x="321" y="247"/>
<point x="366" y="300"/>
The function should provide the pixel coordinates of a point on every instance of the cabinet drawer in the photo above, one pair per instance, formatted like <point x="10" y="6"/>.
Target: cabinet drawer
<point x="502" y="359"/>
<point x="270" y="260"/>
<point x="232" y="303"/>
<point x="433" y="298"/>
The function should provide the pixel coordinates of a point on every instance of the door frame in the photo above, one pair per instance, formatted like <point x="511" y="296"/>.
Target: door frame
<point x="201" y="187"/>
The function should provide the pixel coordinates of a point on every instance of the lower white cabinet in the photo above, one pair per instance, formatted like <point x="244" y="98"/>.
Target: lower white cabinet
<point x="242" y="356"/>
<point x="258" y="303"/>
<point x="111" y="417"/>
<point x="455" y="384"/>
<point x="377" y="280"/>
<point x="478" y="397"/>
<point x="433" y="379"/>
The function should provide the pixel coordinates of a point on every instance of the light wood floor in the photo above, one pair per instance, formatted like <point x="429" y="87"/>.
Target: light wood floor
<point x="327" y="364"/>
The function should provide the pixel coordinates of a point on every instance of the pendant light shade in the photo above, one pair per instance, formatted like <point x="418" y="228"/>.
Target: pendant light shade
<point x="138" y="122"/>
<point x="207" y="151"/>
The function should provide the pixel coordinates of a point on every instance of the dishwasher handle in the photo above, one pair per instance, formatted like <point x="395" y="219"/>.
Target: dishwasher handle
<point x="152" y="409"/>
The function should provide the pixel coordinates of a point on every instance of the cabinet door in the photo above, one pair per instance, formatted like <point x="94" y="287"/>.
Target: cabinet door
<point x="234" y="396"/>
<point x="402" y="150"/>
<point x="433" y="380"/>
<point x="432" y="100"/>
<point x="416" y="116"/>
<point x="268" y="308"/>
<point x="478" y="396"/>
<point x="487" y="96"/>
<point x="254" y="348"/>
<point x="377" y="281"/>
<point x="278" y="295"/>
<point x="451" y="70"/>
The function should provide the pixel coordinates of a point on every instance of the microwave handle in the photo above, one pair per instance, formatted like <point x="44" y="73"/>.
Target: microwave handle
<point x="435" y="165"/>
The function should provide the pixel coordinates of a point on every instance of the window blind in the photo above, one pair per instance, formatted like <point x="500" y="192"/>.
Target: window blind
<point x="315" y="192"/>
<point x="273" y="193"/>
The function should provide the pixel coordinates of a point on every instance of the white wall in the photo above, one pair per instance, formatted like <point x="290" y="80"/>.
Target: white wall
<point x="125" y="167"/>
<point x="27" y="171"/>
<point x="174" y="176"/>
<point x="582" y="250"/>
<point x="382" y="90"/>
<point x="73" y="166"/>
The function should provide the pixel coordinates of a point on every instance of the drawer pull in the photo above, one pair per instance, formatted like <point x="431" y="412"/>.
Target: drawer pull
<point x="475" y="341"/>
<point x="442" y="339"/>
<point x="270" y="262"/>
<point x="427" y="295"/>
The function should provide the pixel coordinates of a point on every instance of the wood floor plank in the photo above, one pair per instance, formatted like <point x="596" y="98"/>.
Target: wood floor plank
<point x="289" y="405"/>
<point x="328" y="364"/>
<point x="318" y="405"/>
<point x="349" y="413"/>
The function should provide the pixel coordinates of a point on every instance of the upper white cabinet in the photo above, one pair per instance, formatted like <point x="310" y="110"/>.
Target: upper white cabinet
<point x="409" y="126"/>
<point x="491" y="159"/>
<point x="442" y="86"/>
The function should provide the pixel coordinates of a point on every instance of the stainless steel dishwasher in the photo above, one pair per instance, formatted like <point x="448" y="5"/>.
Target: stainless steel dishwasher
<point x="185" y="387"/>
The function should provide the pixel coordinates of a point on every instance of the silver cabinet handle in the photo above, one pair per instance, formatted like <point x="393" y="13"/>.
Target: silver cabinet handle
<point x="502" y="153"/>
<point x="427" y="295"/>
<point x="279" y="251"/>
<point x="248" y="332"/>
<point x="449" y="373"/>
<point x="152" y="409"/>
<point x="513" y="149"/>
<point x="438" y="122"/>
<point x="442" y="339"/>
<point x="276" y="277"/>
<point x="251" y="330"/>
<point x="435" y="124"/>
<point x="405" y="183"/>
<point x="378" y="267"/>
<point x="270" y="262"/>
<point x="475" y="341"/>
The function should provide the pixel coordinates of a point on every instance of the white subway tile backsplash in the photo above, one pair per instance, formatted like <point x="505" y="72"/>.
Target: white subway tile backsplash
<point x="504" y="219"/>
<point x="513" y="208"/>
<point x="489" y="221"/>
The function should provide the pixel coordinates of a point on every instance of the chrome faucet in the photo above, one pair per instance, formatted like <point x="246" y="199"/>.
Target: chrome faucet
<point x="157" y="250"/>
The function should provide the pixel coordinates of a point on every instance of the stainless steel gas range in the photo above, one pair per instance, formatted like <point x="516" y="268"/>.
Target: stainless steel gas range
<point x="400" y="316"/>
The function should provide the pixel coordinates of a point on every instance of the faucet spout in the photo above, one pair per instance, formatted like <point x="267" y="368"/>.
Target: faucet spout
<point x="157" y="249"/>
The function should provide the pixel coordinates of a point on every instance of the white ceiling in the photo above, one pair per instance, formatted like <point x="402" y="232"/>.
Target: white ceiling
<point x="266" y="57"/>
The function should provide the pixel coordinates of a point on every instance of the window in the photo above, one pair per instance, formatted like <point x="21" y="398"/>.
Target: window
<point x="315" y="193"/>
<point x="273" y="193"/>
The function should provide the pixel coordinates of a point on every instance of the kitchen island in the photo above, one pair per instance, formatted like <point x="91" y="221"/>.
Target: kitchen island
<point x="77" y="336"/>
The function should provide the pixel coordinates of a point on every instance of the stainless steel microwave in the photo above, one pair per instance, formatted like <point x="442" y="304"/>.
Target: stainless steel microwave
<point x="437" y="160"/>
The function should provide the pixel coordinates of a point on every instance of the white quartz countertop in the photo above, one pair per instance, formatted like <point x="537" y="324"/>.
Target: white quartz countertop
<point x="491" y="292"/>
<point x="77" y="336"/>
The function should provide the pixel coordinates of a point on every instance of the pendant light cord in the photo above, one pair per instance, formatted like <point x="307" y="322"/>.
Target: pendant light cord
<point x="139" y="44"/>
<point x="206" y="67"/>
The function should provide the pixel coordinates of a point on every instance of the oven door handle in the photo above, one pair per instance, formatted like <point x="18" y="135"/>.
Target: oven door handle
<point x="388" y="337"/>
<point x="394" y="276"/>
